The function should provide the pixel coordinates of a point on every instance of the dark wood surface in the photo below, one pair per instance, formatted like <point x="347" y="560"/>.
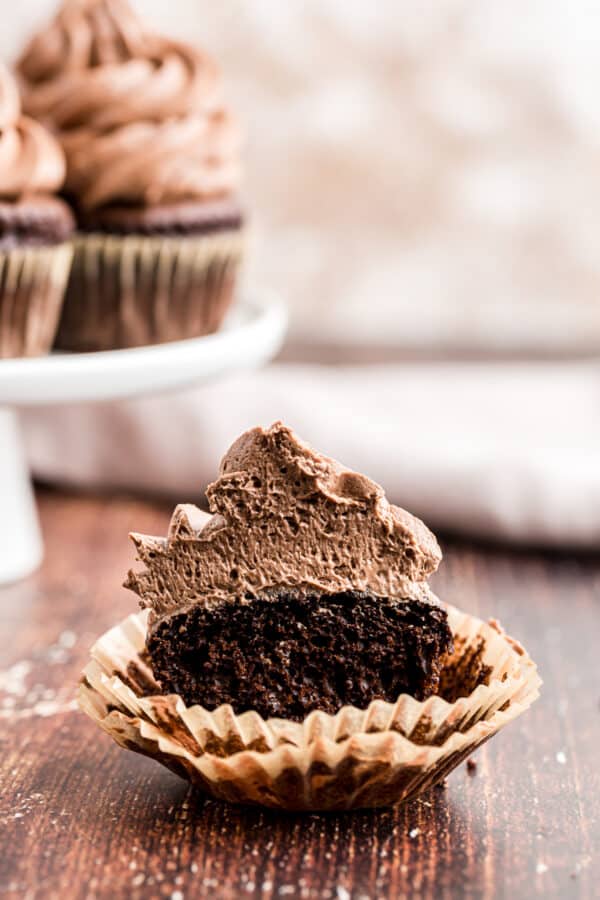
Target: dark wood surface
<point x="80" y="817"/>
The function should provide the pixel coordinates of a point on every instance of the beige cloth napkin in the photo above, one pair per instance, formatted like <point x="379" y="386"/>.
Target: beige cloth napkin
<point x="496" y="450"/>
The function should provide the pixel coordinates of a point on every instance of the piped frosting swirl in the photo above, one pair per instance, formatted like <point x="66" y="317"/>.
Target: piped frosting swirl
<point x="140" y="116"/>
<point x="31" y="160"/>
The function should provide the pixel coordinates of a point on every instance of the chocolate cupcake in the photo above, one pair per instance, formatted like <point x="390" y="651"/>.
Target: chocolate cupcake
<point x="153" y="174"/>
<point x="35" y="253"/>
<point x="290" y="653"/>
<point x="305" y="589"/>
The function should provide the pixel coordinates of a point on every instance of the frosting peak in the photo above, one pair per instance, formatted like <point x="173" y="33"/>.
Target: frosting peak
<point x="125" y="99"/>
<point x="84" y="34"/>
<point x="31" y="160"/>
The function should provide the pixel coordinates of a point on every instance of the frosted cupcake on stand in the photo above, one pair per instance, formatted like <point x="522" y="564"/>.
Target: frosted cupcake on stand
<point x="35" y="226"/>
<point x="153" y="173"/>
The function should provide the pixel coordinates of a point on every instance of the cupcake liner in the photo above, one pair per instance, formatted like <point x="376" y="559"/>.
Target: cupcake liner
<point x="32" y="288"/>
<point x="354" y="759"/>
<point x="135" y="290"/>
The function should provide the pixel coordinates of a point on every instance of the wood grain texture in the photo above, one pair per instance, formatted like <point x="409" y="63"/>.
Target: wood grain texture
<point x="80" y="818"/>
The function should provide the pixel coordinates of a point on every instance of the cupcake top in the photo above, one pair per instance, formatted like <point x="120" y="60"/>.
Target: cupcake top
<point x="140" y="116"/>
<point x="284" y="517"/>
<point x="31" y="160"/>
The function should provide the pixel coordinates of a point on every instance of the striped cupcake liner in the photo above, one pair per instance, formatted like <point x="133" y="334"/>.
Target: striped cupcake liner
<point x="32" y="289"/>
<point x="379" y="756"/>
<point x="136" y="290"/>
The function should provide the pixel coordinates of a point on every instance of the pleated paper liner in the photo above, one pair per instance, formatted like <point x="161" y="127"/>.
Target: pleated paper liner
<point x="135" y="290"/>
<point x="33" y="281"/>
<point x="354" y="759"/>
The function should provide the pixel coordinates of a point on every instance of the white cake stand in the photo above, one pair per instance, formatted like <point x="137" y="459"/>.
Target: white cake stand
<point x="251" y="335"/>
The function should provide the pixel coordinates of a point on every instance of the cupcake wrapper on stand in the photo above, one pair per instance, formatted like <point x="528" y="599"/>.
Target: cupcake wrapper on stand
<point x="134" y="290"/>
<point x="355" y="759"/>
<point x="32" y="288"/>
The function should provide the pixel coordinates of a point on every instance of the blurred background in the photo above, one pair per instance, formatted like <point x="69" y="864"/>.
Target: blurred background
<point x="424" y="185"/>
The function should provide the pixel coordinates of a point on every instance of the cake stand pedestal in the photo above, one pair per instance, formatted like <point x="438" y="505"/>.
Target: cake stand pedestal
<point x="251" y="336"/>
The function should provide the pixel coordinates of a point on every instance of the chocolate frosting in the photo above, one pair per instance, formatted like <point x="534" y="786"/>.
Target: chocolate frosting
<point x="140" y="116"/>
<point x="31" y="160"/>
<point x="284" y="516"/>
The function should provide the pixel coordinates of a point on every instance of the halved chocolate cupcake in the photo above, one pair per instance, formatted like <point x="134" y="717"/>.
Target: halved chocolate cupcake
<point x="304" y="590"/>
<point x="290" y="653"/>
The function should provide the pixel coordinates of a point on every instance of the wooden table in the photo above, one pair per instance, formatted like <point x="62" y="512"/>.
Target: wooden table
<point x="80" y="817"/>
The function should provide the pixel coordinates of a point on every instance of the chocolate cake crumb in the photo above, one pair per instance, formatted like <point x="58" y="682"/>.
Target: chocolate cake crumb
<point x="173" y="219"/>
<point x="36" y="221"/>
<point x="287" y="654"/>
<point x="471" y="766"/>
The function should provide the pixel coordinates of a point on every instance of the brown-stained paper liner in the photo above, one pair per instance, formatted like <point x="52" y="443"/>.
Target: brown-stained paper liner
<point x="135" y="290"/>
<point x="354" y="759"/>
<point x="32" y="288"/>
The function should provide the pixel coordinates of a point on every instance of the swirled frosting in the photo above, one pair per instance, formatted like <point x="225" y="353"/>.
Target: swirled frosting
<point x="140" y="116"/>
<point x="31" y="160"/>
